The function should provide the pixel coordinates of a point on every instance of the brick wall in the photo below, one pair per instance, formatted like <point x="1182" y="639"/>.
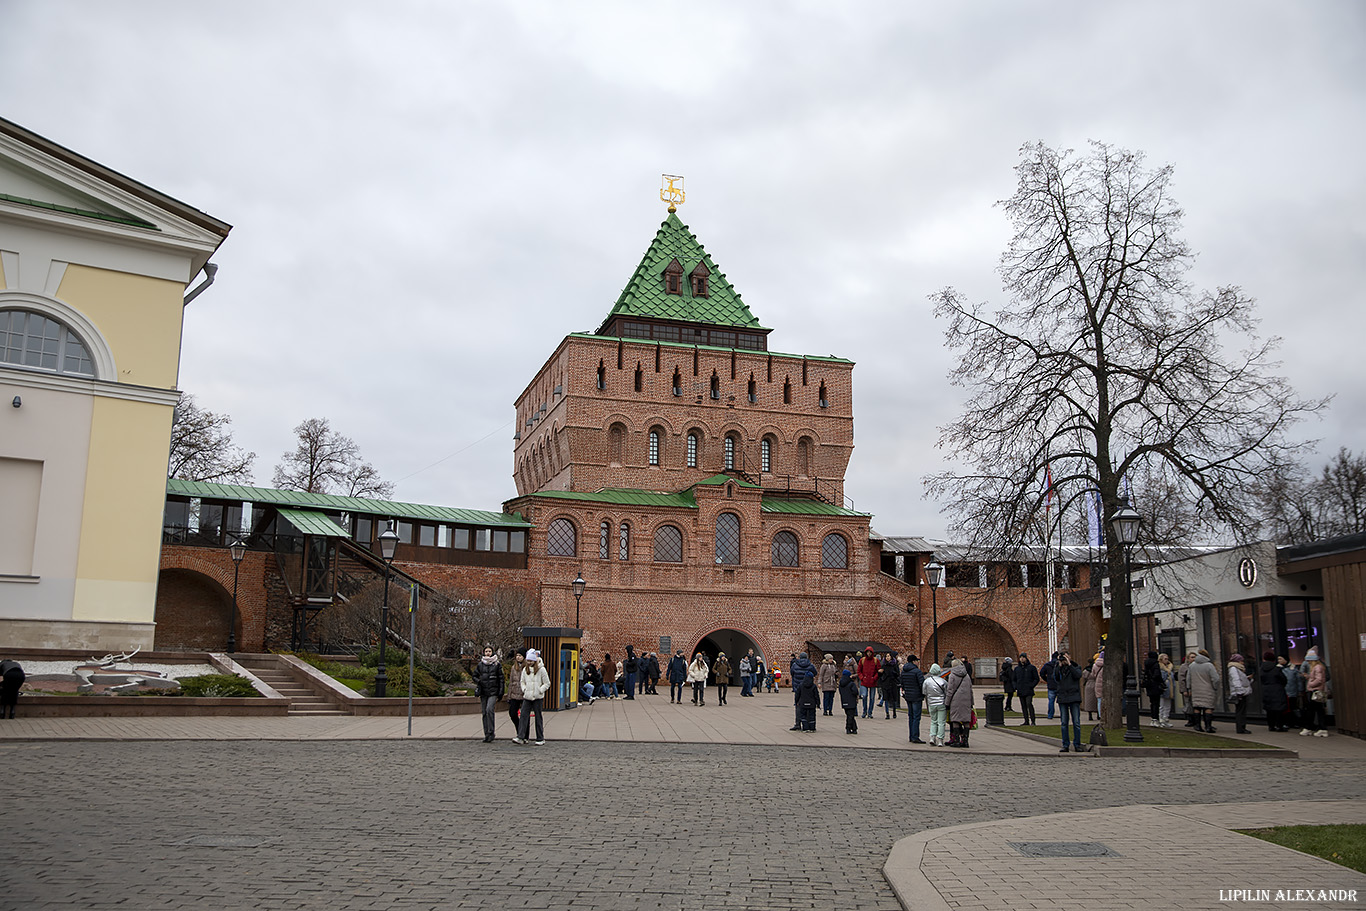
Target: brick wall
<point x="195" y="584"/>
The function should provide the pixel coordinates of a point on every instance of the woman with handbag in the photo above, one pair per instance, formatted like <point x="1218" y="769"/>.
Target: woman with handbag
<point x="1239" y="688"/>
<point x="1316" y="685"/>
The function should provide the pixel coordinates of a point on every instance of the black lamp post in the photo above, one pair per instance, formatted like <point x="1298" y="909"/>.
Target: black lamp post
<point x="1125" y="523"/>
<point x="934" y="572"/>
<point x="577" y="586"/>
<point x="238" y="549"/>
<point x="388" y="543"/>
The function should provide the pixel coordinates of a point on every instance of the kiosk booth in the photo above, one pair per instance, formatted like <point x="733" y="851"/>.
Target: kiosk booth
<point x="559" y="648"/>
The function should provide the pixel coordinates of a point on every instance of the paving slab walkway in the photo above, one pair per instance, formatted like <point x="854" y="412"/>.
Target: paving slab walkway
<point x="1154" y="857"/>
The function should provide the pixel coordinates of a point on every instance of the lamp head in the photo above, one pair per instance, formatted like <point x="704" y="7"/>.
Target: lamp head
<point x="578" y="585"/>
<point x="388" y="543"/>
<point x="238" y="549"/>
<point x="934" y="574"/>
<point x="1125" y="524"/>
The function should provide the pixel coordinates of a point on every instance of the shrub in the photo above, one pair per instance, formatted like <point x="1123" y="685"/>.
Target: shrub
<point x="218" y="685"/>
<point x="424" y="684"/>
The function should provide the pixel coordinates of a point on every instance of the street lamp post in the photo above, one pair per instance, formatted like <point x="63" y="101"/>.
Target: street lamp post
<point x="577" y="586"/>
<point x="1125" y="523"/>
<point x="934" y="572"/>
<point x="388" y="543"/>
<point x="238" y="549"/>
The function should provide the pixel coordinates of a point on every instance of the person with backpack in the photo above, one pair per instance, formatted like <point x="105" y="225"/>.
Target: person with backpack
<point x="1026" y="680"/>
<point x="934" y="688"/>
<point x="1046" y="675"/>
<point x="912" y="682"/>
<point x="1007" y="678"/>
<point x="849" y="700"/>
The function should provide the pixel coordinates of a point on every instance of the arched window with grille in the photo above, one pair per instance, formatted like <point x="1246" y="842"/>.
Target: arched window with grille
<point x="561" y="539"/>
<point x="766" y="454"/>
<point x="835" y="552"/>
<point x="604" y="540"/>
<point x="29" y="339"/>
<point x="624" y="542"/>
<point x="694" y="448"/>
<point x="785" y="549"/>
<point x="655" y="437"/>
<point x="668" y="544"/>
<point x="730" y="451"/>
<point x="728" y="538"/>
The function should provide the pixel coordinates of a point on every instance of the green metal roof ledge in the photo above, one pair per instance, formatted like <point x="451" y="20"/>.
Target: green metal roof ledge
<point x="332" y="502"/>
<point x="684" y="499"/>
<point x="644" y="294"/>
<point x="313" y="523"/>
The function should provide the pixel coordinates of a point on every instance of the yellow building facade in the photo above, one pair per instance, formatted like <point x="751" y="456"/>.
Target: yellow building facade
<point x="94" y="272"/>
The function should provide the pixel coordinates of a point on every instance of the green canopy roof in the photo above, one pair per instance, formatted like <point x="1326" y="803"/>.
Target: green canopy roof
<point x="644" y="295"/>
<point x="325" y="501"/>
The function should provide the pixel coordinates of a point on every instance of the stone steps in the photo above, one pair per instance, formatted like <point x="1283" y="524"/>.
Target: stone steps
<point x="302" y="699"/>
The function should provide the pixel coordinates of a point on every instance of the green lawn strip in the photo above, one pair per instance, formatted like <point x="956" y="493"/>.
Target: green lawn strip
<point x="1153" y="737"/>
<point x="1342" y="844"/>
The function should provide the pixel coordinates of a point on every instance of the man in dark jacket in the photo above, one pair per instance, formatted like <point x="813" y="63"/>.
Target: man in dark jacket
<point x="849" y="701"/>
<point x="488" y="686"/>
<point x="678" y="675"/>
<point x="652" y="675"/>
<point x="11" y="679"/>
<point x="630" y="670"/>
<point x="1007" y="678"/>
<point x="801" y="666"/>
<point x="1067" y="685"/>
<point x="1046" y="675"/>
<point x="912" y="683"/>
<point x="1026" y="679"/>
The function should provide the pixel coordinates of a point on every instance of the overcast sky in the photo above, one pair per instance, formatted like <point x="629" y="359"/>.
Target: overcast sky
<point x="426" y="197"/>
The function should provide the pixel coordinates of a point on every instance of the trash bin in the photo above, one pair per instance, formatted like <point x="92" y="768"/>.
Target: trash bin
<point x="996" y="709"/>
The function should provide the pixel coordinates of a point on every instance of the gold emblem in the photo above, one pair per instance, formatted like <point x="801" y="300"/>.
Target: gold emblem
<point x="671" y="191"/>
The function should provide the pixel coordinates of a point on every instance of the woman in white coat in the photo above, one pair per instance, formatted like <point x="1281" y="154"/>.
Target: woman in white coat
<point x="697" y="676"/>
<point x="535" y="684"/>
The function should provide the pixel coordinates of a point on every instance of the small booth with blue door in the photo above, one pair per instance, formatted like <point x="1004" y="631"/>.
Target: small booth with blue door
<point x="559" y="648"/>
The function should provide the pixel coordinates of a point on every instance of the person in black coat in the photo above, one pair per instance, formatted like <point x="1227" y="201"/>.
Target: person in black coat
<point x="849" y="701"/>
<point x="488" y="686"/>
<point x="808" y="697"/>
<point x="630" y="669"/>
<point x="801" y="666"/>
<point x="1067" y="685"/>
<point x="889" y="681"/>
<point x="678" y="676"/>
<point x="652" y="674"/>
<point x="1274" y="700"/>
<point x="1026" y="680"/>
<point x="1007" y="678"/>
<point x="913" y="688"/>
<point x="1152" y="684"/>
<point x="12" y="677"/>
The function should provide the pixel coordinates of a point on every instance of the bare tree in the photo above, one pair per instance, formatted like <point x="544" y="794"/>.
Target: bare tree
<point x="324" y="461"/>
<point x="202" y="448"/>
<point x="1301" y="509"/>
<point x="1108" y="369"/>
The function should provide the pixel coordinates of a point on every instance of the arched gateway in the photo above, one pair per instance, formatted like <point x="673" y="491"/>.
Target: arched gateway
<point x="731" y="641"/>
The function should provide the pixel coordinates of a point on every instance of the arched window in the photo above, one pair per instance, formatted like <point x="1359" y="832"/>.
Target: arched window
<point x="604" y="540"/>
<point x="730" y="451"/>
<point x="715" y="385"/>
<point x="561" y="540"/>
<point x="29" y="339"/>
<point x="694" y="448"/>
<point x="624" y="542"/>
<point x="766" y="454"/>
<point x="654" y="445"/>
<point x="785" y="549"/>
<point x="668" y="544"/>
<point x="835" y="552"/>
<point x="728" y="538"/>
<point x="616" y="441"/>
<point x="804" y="456"/>
<point x="602" y="375"/>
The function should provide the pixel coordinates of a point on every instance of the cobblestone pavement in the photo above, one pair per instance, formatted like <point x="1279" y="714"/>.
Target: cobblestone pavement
<point x="456" y="824"/>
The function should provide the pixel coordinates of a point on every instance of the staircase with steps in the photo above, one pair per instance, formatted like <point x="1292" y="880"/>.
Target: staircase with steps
<point x="280" y="677"/>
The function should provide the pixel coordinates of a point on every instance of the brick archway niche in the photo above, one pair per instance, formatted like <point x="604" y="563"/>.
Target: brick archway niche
<point x="193" y="612"/>
<point x="973" y="636"/>
<point x="735" y="643"/>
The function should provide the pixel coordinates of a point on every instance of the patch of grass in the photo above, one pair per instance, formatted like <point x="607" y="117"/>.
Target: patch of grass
<point x="1154" y="737"/>
<point x="1342" y="844"/>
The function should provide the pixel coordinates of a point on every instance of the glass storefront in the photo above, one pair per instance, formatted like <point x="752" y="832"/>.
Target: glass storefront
<point x="1287" y="626"/>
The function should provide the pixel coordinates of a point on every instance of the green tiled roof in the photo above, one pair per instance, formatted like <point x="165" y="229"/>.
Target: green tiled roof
<point x="807" y="507"/>
<point x="625" y="497"/>
<point x="644" y="295"/>
<point x="316" y="501"/>
<point x="717" y="480"/>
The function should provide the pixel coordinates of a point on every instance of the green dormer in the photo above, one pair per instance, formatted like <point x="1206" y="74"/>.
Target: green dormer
<point x="677" y="294"/>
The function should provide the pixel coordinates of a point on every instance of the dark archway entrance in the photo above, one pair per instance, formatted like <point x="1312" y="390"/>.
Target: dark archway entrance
<point x="971" y="636"/>
<point x="734" y="643"/>
<point x="193" y="612"/>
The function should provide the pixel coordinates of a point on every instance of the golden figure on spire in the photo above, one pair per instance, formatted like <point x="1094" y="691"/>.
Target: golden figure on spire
<point x="671" y="191"/>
